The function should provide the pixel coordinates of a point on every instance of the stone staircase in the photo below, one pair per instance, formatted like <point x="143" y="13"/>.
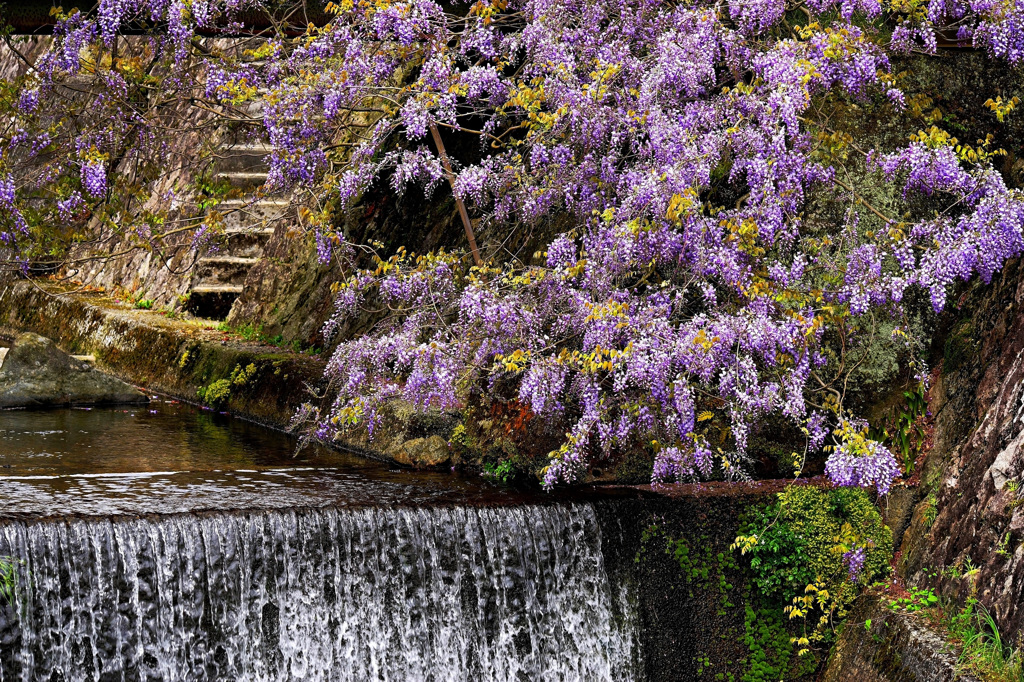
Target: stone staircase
<point x="219" y="277"/>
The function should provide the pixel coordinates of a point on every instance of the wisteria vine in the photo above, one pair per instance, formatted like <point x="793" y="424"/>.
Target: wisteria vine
<point x="692" y="300"/>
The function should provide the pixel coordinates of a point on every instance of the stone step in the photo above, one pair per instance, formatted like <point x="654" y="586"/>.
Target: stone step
<point x="239" y="213"/>
<point x="243" y="158"/>
<point x="208" y="289"/>
<point x="246" y="242"/>
<point x="243" y="179"/>
<point x="221" y="270"/>
<point x="213" y="301"/>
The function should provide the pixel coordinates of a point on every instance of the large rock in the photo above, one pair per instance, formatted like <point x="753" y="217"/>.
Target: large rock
<point x="422" y="452"/>
<point x="971" y="515"/>
<point x="35" y="373"/>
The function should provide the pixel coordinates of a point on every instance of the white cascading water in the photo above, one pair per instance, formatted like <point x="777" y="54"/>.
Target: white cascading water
<point x="446" y="593"/>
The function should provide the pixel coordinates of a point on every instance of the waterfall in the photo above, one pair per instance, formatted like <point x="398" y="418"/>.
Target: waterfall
<point x="443" y="593"/>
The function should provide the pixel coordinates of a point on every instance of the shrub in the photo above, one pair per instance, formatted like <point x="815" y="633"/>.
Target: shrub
<point x="801" y="539"/>
<point x="215" y="394"/>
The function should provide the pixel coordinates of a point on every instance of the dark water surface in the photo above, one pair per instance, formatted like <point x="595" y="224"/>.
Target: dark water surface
<point x="172" y="457"/>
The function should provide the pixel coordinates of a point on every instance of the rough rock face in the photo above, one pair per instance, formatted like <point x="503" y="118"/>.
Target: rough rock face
<point x="407" y="436"/>
<point x="879" y="645"/>
<point x="967" y="526"/>
<point x="972" y="509"/>
<point x="35" y="373"/>
<point x="429" y="452"/>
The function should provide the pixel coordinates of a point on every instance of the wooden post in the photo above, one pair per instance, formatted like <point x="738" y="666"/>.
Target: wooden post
<point x="462" y="207"/>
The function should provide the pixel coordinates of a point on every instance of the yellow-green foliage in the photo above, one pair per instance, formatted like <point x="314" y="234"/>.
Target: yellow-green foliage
<point x="216" y="394"/>
<point x="459" y="437"/>
<point x="800" y="539"/>
<point x="240" y="377"/>
<point x="831" y="522"/>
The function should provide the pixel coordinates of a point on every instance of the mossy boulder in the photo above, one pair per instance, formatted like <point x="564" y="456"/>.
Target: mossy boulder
<point x="35" y="373"/>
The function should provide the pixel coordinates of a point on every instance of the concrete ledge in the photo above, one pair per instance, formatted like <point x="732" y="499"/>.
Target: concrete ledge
<point x="179" y="357"/>
<point x="174" y="357"/>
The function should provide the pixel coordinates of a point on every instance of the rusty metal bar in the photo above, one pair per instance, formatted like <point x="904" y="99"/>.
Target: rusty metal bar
<point x="466" y="222"/>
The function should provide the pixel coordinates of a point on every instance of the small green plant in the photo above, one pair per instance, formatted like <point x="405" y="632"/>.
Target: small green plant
<point x="931" y="509"/>
<point x="459" y="437"/>
<point x="1013" y="486"/>
<point x="240" y="377"/>
<point x="211" y="191"/>
<point x="8" y="579"/>
<point x="1004" y="546"/>
<point x="503" y="472"/>
<point x="216" y="393"/>
<point x="251" y="332"/>
<point x="972" y="629"/>
<point x="902" y="428"/>
<point x="952" y="572"/>
<point x="983" y="651"/>
<point x="144" y="304"/>
<point x="769" y="644"/>
<point x="918" y="598"/>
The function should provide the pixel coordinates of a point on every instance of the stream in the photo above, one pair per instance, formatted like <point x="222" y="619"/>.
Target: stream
<point x="173" y="543"/>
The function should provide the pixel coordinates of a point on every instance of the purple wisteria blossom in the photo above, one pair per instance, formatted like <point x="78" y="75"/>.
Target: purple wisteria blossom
<point x="94" y="178"/>
<point x="875" y="467"/>
<point x="687" y="298"/>
<point x="854" y="560"/>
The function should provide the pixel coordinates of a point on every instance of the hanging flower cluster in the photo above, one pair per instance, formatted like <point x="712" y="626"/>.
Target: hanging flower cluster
<point x="691" y="300"/>
<point x="664" y="313"/>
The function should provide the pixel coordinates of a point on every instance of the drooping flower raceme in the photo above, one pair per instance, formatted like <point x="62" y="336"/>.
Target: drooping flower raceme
<point x="854" y="560"/>
<point x="691" y="299"/>
<point x="664" y="315"/>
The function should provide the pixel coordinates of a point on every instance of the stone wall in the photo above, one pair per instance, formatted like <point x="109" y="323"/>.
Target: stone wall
<point x="697" y="617"/>
<point x="971" y="512"/>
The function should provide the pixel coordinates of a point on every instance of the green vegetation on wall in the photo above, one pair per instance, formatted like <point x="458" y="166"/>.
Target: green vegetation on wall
<point x="783" y="597"/>
<point x="802" y="536"/>
<point x="216" y="393"/>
